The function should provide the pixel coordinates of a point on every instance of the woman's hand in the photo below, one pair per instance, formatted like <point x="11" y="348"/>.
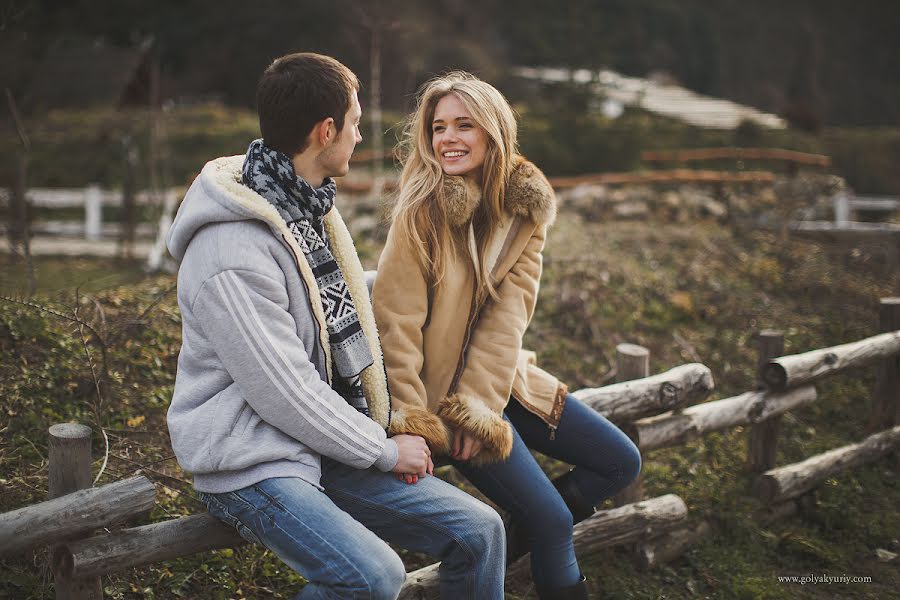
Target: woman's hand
<point x="465" y="445"/>
<point x="414" y="458"/>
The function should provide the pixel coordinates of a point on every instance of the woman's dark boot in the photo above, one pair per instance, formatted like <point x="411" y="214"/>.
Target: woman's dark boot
<point x="580" y="508"/>
<point x="577" y="591"/>
<point x="516" y="541"/>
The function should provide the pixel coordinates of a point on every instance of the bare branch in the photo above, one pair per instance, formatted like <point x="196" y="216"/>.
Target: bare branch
<point x="49" y="311"/>
<point x="17" y="121"/>
<point x="120" y="330"/>
<point x="96" y="406"/>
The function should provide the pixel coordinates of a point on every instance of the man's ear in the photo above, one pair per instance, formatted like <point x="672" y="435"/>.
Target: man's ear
<point x="325" y="131"/>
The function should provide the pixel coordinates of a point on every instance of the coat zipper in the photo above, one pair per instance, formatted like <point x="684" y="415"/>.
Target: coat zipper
<point x="474" y="309"/>
<point x="461" y="362"/>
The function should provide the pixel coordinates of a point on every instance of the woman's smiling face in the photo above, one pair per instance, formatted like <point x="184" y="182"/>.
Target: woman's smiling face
<point x="459" y="143"/>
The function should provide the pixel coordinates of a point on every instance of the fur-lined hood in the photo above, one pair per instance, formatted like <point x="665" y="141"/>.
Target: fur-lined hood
<point x="221" y="198"/>
<point x="528" y="195"/>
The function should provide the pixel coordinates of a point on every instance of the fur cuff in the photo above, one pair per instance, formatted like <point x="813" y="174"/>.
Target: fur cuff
<point x="473" y="416"/>
<point x="416" y="421"/>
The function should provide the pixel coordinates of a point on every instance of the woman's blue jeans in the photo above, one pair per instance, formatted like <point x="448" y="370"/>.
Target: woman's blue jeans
<point x="335" y="538"/>
<point x="605" y="462"/>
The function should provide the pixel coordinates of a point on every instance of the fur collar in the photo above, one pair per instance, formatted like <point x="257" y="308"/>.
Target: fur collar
<point x="528" y="195"/>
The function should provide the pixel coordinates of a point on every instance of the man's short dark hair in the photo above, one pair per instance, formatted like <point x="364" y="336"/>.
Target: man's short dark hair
<point x="297" y="91"/>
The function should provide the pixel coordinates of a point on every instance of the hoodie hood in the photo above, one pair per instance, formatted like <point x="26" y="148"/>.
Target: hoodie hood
<point x="217" y="196"/>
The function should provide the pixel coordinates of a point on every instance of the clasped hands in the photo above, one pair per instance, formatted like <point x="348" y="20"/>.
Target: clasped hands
<point x="414" y="456"/>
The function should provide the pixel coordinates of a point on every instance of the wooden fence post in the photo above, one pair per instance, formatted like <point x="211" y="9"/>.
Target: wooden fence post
<point x="887" y="382"/>
<point x="841" y="209"/>
<point x="632" y="362"/>
<point x="93" y="212"/>
<point x="763" y="443"/>
<point x="70" y="471"/>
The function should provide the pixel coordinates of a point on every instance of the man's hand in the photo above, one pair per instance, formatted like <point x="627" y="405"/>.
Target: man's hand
<point x="413" y="459"/>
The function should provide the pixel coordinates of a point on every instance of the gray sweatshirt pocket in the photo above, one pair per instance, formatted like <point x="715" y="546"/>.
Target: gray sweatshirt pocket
<point x="239" y="425"/>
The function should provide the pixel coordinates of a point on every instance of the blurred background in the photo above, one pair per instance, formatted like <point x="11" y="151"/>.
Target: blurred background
<point x="86" y="76"/>
<point x="122" y="102"/>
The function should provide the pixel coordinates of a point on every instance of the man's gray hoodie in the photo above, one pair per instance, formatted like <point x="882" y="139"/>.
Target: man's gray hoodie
<point x="252" y="396"/>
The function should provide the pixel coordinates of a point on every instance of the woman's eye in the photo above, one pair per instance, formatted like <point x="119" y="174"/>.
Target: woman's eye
<point x="438" y="129"/>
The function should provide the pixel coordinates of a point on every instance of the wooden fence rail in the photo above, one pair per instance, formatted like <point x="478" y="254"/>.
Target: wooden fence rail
<point x="797" y="369"/>
<point x="92" y="200"/>
<point x="667" y="176"/>
<point x="148" y="544"/>
<point x="622" y="525"/>
<point x="74" y="514"/>
<point x="791" y="481"/>
<point x="769" y="154"/>
<point x="675" y="429"/>
<point x="846" y="206"/>
<point x="672" y="544"/>
<point x="628" y="400"/>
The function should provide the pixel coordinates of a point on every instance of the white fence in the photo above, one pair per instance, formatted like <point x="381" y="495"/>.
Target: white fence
<point x="92" y="199"/>
<point x="846" y="206"/>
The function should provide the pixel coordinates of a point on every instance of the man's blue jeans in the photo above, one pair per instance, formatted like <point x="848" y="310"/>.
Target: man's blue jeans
<point x="605" y="461"/>
<point x="336" y="539"/>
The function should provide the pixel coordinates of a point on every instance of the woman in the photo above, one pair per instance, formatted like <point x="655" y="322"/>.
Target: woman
<point x="456" y="287"/>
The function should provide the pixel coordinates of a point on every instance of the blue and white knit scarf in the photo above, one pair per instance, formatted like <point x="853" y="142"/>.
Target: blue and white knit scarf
<point x="271" y="174"/>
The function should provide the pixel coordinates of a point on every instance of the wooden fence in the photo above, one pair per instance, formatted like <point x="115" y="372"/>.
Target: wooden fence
<point x="787" y="383"/>
<point x="846" y="231"/>
<point x="92" y="227"/>
<point x="68" y="520"/>
<point x="92" y="200"/>
<point x="847" y="206"/>
<point x="657" y="411"/>
<point x="791" y="158"/>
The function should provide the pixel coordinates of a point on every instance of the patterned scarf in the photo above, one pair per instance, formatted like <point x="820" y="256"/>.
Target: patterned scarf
<point x="270" y="173"/>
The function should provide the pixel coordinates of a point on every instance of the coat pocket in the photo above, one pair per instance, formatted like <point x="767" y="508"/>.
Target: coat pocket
<point x="239" y="425"/>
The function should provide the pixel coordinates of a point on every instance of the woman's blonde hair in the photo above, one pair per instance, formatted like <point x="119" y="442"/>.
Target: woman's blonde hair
<point x="420" y="213"/>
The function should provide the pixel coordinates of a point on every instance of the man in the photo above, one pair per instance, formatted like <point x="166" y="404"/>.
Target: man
<point x="281" y="400"/>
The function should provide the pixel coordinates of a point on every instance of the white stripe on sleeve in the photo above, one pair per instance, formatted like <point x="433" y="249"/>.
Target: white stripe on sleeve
<point x="285" y="378"/>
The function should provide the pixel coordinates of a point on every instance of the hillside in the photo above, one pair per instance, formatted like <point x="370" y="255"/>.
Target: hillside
<point x="688" y="292"/>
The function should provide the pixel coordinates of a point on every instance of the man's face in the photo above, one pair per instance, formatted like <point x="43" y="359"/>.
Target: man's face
<point x="335" y="158"/>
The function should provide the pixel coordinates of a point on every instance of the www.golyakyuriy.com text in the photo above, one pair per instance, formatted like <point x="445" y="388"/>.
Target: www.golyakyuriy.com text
<point x="825" y="579"/>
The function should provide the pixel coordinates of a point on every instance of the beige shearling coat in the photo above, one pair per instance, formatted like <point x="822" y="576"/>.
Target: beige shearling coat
<point x="454" y="358"/>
